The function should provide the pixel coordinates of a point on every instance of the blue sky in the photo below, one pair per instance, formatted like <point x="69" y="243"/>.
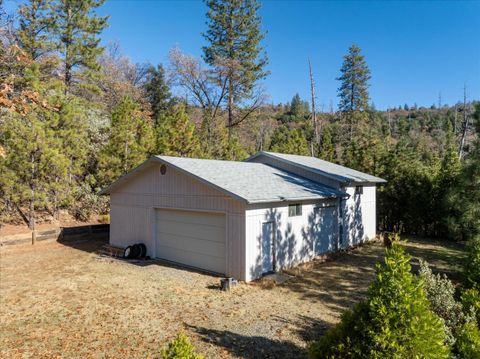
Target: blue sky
<point x="415" y="49"/>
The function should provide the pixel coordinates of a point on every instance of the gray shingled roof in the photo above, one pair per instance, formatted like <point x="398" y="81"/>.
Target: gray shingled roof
<point x="252" y="182"/>
<point x="340" y="173"/>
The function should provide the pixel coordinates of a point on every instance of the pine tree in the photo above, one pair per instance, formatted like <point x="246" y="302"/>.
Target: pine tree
<point x="292" y="141"/>
<point x="395" y="321"/>
<point x="176" y="134"/>
<point x="76" y="28"/>
<point x="157" y="91"/>
<point x="131" y="141"/>
<point x="35" y="22"/>
<point x="327" y="149"/>
<point x="235" y="53"/>
<point x="353" y="90"/>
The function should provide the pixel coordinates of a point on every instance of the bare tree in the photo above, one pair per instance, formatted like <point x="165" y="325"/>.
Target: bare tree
<point x="314" y="112"/>
<point x="465" y="124"/>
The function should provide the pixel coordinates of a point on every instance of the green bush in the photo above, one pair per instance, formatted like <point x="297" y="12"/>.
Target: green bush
<point x="471" y="268"/>
<point x="471" y="302"/>
<point x="468" y="342"/>
<point x="441" y="295"/>
<point x="180" y="348"/>
<point x="394" y="321"/>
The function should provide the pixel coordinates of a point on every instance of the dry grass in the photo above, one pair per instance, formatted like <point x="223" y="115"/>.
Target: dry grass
<point x="62" y="300"/>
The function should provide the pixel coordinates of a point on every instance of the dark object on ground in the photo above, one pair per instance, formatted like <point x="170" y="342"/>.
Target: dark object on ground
<point x="143" y="250"/>
<point x="227" y="283"/>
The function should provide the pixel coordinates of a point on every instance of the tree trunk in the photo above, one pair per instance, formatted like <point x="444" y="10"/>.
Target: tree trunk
<point x="314" y="112"/>
<point x="32" y="200"/>
<point x="464" y="124"/>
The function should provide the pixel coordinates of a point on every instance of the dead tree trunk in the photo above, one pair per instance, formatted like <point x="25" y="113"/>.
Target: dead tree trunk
<point x="316" y="131"/>
<point x="464" y="125"/>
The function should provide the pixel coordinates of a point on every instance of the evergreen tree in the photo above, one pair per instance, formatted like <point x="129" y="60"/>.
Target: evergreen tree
<point x="130" y="142"/>
<point x="176" y="134"/>
<point x="327" y="149"/>
<point x="76" y="28"/>
<point x="235" y="53"/>
<point x="395" y="321"/>
<point x="35" y="22"/>
<point x="157" y="91"/>
<point x="292" y="141"/>
<point x="353" y="90"/>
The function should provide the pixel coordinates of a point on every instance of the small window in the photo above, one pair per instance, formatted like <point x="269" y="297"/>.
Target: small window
<point x="163" y="169"/>
<point x="359" y="190"/>
<point x="294" y="210"/>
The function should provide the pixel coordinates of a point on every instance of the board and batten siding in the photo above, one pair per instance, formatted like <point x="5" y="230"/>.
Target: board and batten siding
<point x="294" y="236"/>
<point x="133" y="205"/>
<point x="359" y="216"/>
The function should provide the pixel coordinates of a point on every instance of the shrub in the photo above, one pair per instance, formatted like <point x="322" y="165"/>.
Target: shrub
<point x="441" y="295"/>
<point x="471" y="268"/>
<point x="468" y="342"/>
<point x="180" y="348"/>
<point x="394" y="321"/>
<point x="471" y="302"/>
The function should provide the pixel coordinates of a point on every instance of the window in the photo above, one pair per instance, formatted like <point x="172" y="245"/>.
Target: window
<point x="294" y="210"/>
<point x="359" y="190"/>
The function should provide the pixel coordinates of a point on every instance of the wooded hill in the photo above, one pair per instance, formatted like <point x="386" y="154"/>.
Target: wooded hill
<point x="75" y="116"/>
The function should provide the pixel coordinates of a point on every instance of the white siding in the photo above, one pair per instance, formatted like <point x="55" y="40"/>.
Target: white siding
<point x="294" y="236"/>
<point x="359" y="216"/>
<point x="133" y="207"/>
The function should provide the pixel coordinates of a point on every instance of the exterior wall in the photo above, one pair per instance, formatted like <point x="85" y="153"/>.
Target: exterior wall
<point x="133" y="206"/>
<point x="327" y="181"/>
<point x="359" y="216"/>
<point x="294" y="236"/>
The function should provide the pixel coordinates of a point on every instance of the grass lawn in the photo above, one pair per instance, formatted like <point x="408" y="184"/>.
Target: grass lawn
<point x="59" y="300"/>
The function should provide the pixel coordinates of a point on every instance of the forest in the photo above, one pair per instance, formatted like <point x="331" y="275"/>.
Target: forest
<point x="76" y="115"/>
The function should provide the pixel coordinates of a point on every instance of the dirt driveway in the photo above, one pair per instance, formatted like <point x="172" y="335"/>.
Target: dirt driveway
<point x="59" y="300"/>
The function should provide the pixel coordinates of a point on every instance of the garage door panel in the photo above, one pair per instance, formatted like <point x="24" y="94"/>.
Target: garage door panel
<point x="193" y="245"/>
<point x="202" y="231"/>
<point x="213" y="219"/>
<point x="192" y="238"/>
<point x="185" y="257"/>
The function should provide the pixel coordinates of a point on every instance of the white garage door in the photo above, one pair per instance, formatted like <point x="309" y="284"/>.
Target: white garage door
<point x="192" y="238"/>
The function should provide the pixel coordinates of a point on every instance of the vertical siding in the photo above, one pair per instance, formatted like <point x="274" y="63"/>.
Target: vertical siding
<point x="133" y="205"/>
<point x="294" y="236"/>
<point x="359" y="216"/>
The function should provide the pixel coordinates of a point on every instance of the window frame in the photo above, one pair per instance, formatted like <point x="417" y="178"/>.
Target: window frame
<point x="295" y="210"/>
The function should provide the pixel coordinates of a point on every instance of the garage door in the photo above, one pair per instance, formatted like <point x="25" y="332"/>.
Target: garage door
<point x="192" y="238"/>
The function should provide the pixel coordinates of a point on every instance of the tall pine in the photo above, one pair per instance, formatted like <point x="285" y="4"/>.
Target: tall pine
<point x="353" y="90"/>
<point x="157" y="91"/>
<point x="235" y="53"/>
<point x="77" y="28"/>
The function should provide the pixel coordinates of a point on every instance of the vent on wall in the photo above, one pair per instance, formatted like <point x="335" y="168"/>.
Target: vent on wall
<point x="163" y="169"/>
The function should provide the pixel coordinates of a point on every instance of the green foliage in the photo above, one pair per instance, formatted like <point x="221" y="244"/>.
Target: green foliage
<point x="355" y="74"/>
<point x="76" y="28"/>
<point x="157" y="91"/>
<point x="180" y="348"/>
<point x="286" y="140"/>
<point x="176" y="134"/>
<point x="35" y="21"/>
<point x="395" y="321"/>
<point x="131" y="140"/>
<point x="441" y="295"/>
<point x="327" y="148"/>
<point x="471" y="302"/>
<point x="471" y="266"/>
<point x="468" y="342"/>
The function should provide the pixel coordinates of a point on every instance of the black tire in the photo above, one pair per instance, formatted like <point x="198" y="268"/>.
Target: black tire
<point x="136" y="251"/>
<point x="143" y="250"/>
<point x="127" y="253"/>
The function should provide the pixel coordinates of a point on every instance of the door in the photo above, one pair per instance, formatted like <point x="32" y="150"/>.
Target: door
<point x="192" y="238"/>
<point x="325" y="230"/>
<point x="268" y="247"/>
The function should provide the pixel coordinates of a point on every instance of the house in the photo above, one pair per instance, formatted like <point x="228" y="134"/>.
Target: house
<point x="242" y="219"/>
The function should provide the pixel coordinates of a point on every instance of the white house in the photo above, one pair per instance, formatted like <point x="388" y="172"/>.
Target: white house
<point x="242" y="219"/>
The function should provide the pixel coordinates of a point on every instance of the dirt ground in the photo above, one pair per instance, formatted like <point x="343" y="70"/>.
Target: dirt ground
<point x="64" y="300"/>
